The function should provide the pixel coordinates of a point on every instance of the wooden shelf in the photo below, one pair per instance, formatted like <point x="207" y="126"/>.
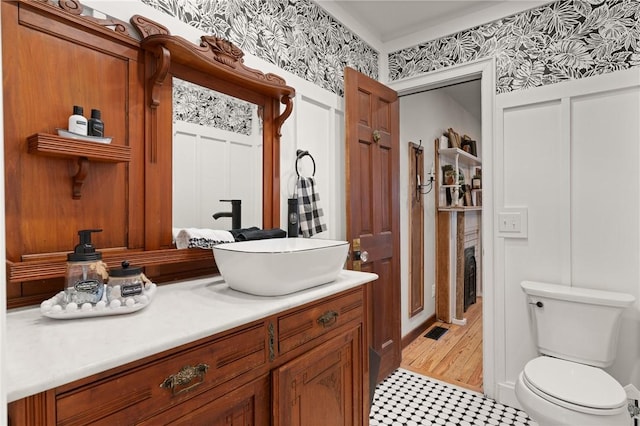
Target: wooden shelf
<point x="460" y="209"/>
<point x="60" y="147"/>
<point x="55" y="267"/>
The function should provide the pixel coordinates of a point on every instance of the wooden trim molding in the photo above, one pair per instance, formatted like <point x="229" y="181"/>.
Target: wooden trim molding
<point x="54" y="268"/>
<point x="214" y="56"/>
<point x="416" y="230"/>
<point x="38" y="409"/>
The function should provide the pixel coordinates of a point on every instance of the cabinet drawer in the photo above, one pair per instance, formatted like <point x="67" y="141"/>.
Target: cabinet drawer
<point x="304" y="325"/>
<point x="135" y="395"/>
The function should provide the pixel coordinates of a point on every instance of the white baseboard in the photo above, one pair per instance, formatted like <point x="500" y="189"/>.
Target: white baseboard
<point x="463" y="321"/>
<point x="507" y="395"/>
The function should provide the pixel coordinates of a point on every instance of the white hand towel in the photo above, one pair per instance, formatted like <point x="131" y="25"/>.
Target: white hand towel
<point x="202" y="238"/>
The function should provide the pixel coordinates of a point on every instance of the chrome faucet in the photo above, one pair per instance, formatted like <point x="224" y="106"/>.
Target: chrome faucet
<point x="235" y="214"/>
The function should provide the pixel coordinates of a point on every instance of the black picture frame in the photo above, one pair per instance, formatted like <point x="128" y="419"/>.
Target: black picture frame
<point x="470" y="147"/>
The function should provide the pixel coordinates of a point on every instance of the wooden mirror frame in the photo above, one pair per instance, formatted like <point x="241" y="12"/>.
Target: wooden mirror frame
<point x="216" y="64"/>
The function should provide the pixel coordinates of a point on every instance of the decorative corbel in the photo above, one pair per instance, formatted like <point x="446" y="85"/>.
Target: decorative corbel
<point x="163" y="61"/>
<point x="78" y="179"/>
<point x="279" y="120"/>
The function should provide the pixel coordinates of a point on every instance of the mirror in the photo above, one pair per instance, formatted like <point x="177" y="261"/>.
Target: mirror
<point x="215" y="64"/>
<point x="217" y="155"/>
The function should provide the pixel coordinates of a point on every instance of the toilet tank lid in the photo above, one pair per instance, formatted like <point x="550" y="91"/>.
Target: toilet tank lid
<point x="575" y="383"/>
<point x="577" y="294"/>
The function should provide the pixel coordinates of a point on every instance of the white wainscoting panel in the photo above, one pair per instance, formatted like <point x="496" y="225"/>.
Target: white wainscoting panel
<point x="569" y="153"/>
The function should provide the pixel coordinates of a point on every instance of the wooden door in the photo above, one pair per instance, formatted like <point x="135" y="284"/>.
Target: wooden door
<point x="372" y="179"/>
<point x="322" y="387"/>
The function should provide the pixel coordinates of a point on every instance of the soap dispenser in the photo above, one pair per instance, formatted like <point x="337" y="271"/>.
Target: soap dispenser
<point x="86" y="272"/>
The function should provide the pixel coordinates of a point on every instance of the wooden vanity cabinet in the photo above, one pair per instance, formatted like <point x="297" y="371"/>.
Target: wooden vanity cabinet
<point x="304" y="366"/>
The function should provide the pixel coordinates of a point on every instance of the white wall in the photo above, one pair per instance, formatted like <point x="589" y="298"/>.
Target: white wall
<point x="570" y="154"/>
<point x="425" y="116"/>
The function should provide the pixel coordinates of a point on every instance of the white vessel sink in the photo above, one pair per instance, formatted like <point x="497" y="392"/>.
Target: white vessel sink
<point x="280" y="266"/>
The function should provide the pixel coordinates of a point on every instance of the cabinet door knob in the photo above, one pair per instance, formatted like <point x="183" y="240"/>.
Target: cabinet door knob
<point x="328" y="318"/>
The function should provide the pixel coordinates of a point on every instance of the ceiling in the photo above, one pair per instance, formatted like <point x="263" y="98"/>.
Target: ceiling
<point x="391" y="19"/>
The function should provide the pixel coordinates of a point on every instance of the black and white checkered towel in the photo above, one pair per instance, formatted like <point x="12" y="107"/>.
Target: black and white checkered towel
<point x="311" y="215"/>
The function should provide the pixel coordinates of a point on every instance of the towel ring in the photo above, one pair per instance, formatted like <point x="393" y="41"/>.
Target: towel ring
<point x="300" y="154"/>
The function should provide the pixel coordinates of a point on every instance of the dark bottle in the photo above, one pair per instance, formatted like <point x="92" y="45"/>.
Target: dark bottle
<point x="293" y="219"/>
<point x="96" y="126"/>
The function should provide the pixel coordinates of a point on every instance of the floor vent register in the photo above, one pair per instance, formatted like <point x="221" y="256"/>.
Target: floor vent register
<point x="436" y="332"/>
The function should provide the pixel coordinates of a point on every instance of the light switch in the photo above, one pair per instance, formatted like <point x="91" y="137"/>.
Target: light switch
<point x="512" y="222"/>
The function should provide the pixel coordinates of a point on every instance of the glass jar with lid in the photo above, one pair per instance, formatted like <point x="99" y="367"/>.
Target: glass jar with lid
<point x="125" y="285"/>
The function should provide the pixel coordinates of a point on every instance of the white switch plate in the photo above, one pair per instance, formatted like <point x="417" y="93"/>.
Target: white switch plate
<point x="512" y="222"/>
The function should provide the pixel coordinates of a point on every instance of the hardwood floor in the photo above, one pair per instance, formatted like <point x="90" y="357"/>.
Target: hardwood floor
<point x="456" y="357"/>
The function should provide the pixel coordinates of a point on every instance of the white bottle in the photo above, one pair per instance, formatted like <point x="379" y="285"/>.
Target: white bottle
<point x="77" y="122"/>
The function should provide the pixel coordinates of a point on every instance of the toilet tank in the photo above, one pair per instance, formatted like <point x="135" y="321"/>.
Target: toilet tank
<point x="576" y="324"/>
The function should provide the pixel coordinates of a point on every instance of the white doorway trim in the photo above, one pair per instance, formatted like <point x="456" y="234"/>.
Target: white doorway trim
<point x="485" y="69"/>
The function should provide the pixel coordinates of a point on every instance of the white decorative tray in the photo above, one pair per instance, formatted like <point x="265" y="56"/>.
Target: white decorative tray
<point x="58" y="309"/>
<point x="67" y="134"/>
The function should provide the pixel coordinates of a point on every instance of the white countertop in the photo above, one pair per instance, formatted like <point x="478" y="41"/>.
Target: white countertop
<point x="43" y="353"/>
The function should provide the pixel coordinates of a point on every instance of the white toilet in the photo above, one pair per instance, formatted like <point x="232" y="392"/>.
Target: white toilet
<point x="576" y="333"/>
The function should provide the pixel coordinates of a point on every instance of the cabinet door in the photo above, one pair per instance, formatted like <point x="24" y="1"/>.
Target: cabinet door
<point x="247" y="405"/>
<point x="323" y="386"/>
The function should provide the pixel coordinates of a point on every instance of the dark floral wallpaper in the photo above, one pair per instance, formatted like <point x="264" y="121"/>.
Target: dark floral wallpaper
<point x="199" y="105"/>
<point x="296" y="35"/>
<point x="564" y="40"/>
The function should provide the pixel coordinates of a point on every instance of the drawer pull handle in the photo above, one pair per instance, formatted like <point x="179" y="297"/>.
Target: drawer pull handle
<point x="328" y="318"/>
<point x="182" y="380"/>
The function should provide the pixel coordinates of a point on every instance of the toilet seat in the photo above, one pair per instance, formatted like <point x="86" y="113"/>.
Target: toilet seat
<point x="574" y="386"/>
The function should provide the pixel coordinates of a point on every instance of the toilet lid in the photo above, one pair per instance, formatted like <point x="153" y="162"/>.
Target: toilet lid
<point x="575" y="383"/>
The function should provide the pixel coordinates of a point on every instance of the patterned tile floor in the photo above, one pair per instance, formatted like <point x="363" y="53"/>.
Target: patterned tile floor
<point x="409" y="399"/>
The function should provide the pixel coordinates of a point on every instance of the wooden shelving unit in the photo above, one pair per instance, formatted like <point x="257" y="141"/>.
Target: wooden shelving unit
<point x="458" y="158"/>
<point x="450" y="220"/>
